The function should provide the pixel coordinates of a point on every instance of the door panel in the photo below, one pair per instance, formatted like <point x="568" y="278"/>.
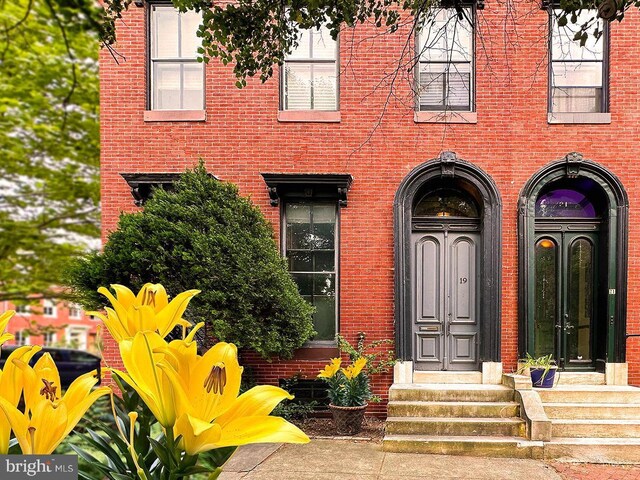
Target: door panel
<point x="445" y="323"/>
<point x="565" y="286"/>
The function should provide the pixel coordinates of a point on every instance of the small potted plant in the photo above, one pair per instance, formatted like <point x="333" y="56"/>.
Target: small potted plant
<point x="349" y="392"/>
<point x="542" y="370"/>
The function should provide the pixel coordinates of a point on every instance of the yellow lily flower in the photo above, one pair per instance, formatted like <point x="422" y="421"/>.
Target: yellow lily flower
<point x="140" y="356"/>
<point x="330" y="370"/>
<point x="196" y="397"/>
<point x="212" y="415"/>
<point x="11" y="386"/>
<point x="49" y="418"/>
<point x="353" y="370"/>
<point x="4" y="321"/>
<point x="149" y="310"/>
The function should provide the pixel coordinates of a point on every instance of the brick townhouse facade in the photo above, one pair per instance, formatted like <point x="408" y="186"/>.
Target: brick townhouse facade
<point x="523" y="240"/>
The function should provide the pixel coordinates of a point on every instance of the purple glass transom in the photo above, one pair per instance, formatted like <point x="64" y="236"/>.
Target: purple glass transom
<point x="563" y="202"/>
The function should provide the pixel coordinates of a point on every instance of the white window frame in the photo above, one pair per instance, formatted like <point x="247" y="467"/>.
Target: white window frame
<point x="154" y="60"/>
<point x="22" y="310"/>
<point x="83" y="330"/>
<point x="311" y="61"/>
<point x="77" y="309"/>
<point x="51" y="341"/>
<point x="21" y="339"/>
<point x="445" y="107"/>
<point x="49" y="304"/>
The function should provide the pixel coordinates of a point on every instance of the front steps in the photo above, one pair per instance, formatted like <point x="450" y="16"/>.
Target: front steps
<point x="456" y="419"/>
<point x="585" y="422"/>
<point x="593" y="423"/>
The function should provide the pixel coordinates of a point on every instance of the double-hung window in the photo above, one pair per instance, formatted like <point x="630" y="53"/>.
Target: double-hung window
<point x="310" y="248"/>
<point x="446" y="61"/>
<point x="577" y="74"/>
<point x="310" y="73"/>
<point x="177" y="78"/>
<point x="49" y="309"/>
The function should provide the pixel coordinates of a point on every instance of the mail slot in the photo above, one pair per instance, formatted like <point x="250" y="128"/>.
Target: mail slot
<point x="431" y="328"/>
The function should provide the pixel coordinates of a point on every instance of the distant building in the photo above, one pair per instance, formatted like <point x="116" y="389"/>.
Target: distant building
<point x="50" y="323"/>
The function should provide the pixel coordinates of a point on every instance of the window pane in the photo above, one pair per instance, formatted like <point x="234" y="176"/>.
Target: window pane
<point x="304" y="282"/>
<point x="324" y="261"/>
<point x="565" y="48"/>
<point x="298" y="225"/>
<point x="580" y="294"/>
<point x="587" y="100"/>
<point x="193" y="95"/>
<point x="303" y="50"/>
<point x="324" y="318"/>
<point x="324" y="86"/>
<point x="324" y="284"/>
<point x="166" y="85"/>
<point x="445" y="86"/>
<point x="300" y="261"/>
<point x="562" y="202"/>
<point x="165" y="32"/>
<point x="190" y="41"/>
<point x="572" y="74"/>
<point x="545" y="297"/>
<point x="447" y="39"/>
<point x="297" y="86"/>
<point x="324" y="47"/>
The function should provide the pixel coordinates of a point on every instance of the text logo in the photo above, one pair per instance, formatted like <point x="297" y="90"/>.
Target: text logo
<point x="38" y="467"/>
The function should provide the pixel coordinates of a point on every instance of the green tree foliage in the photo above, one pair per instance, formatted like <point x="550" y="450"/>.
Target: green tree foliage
<point x="49" y="133"/>
<point x="203" y="235"/>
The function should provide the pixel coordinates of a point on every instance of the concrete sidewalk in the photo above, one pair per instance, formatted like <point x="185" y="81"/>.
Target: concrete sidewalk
<point x="349" y="460"/>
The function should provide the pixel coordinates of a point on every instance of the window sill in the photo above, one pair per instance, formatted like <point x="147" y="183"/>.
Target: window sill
<point x="175" y="115"/>
<point x="446" y="116"/>
<point x="578" y="118"/>
<point x="309" y="116"/>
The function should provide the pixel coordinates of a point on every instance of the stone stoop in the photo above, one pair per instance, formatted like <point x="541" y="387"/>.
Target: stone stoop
<point x="457" y="419"/>
<point x="593" y="423"/>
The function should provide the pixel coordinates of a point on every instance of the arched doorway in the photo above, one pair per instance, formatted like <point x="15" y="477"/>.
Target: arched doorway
<point x="572" y="239"/>
<point x="447" y="226"/>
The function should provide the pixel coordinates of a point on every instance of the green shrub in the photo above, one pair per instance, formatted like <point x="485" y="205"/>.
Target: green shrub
<point x="202" y="234"/>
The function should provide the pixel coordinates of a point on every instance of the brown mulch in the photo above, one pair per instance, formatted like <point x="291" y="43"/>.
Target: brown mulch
<point x="372" y="428"/>
<point x="592" y="471"/>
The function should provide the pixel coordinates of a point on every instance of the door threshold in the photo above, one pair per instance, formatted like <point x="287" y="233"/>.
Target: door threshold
<point x="448" y="376"/>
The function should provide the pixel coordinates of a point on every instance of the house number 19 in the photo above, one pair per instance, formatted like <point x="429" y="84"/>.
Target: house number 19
<point x="463" y="280"/>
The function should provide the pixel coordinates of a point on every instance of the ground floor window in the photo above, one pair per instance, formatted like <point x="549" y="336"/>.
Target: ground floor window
<point x="311" y="252"/>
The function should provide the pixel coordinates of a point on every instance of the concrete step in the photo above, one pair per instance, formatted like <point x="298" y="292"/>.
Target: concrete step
<point x="580" y="378"/>
<point x="582" y="428"/>
<point x="403" y="408"/>
<point x="592" y="411"/>
<point x="510" y="427"/>
<point x="515" y="447"/>
<point x="590" y="394"/>
<point x="450" y="393"/>
<point x="447" y="377"/>
<point x="593" y="450"/>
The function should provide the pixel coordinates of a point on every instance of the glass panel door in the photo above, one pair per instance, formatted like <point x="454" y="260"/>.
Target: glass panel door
<point x="565" y="278"/>
<point x="579" y="301"/>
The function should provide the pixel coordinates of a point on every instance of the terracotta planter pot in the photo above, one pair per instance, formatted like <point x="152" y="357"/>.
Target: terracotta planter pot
<point x="348" y="420"/>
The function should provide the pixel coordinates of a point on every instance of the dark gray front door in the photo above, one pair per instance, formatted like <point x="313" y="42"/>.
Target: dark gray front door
<point x="445" y="313"/>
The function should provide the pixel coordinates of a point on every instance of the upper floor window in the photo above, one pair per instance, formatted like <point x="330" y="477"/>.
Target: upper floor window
<point x="311" y="251"/>
<point x="310" y="73"/>
<point x="177" y="78"/>
<point x="577" y="74"/>
<point x="446" y="61"/>
<point x="22" y="309"/>
<point x="75" y="311"/>
<point x="49" y="309"/>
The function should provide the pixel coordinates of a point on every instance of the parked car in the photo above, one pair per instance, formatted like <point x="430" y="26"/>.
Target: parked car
<point x="71" y="363"/>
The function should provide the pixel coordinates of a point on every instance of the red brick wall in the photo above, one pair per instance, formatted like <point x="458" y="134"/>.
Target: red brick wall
<point x="511" y="141"/>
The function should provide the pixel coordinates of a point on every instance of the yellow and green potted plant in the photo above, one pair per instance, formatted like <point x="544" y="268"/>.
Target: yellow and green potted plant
<point x="349" y="391"/>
